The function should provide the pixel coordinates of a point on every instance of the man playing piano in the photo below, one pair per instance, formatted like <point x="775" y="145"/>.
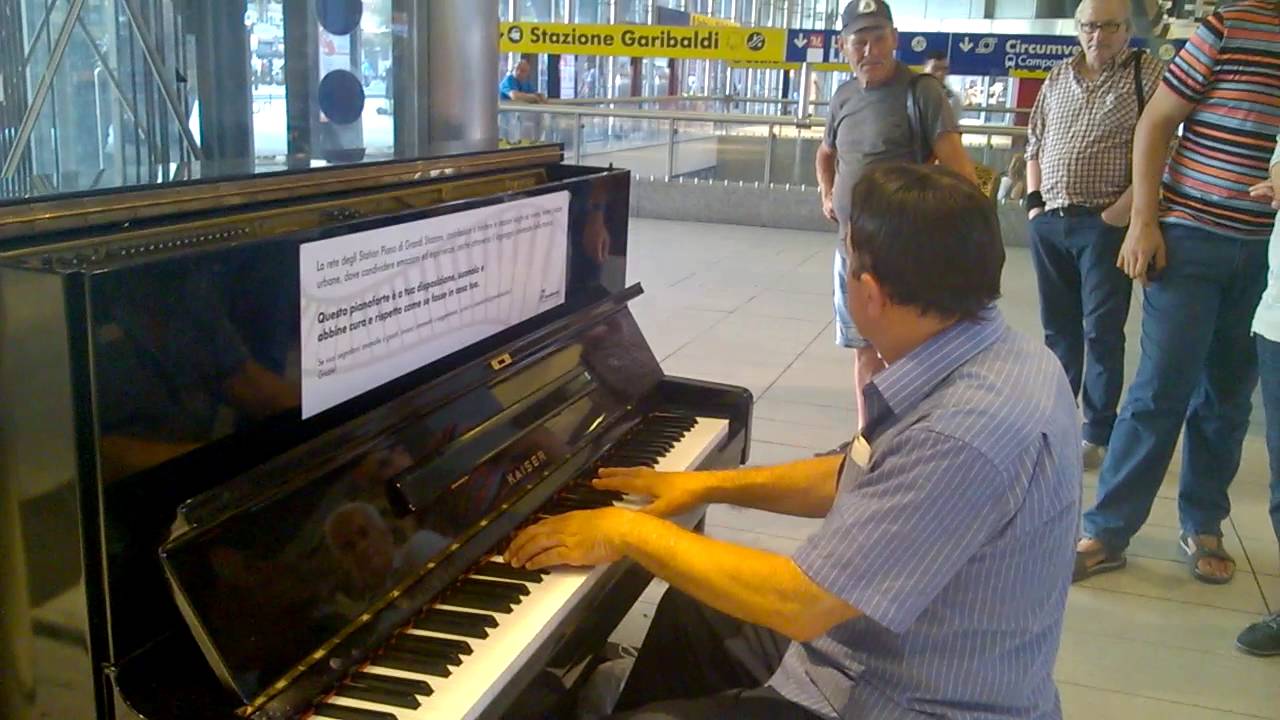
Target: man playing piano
<point x="937" y="582"/>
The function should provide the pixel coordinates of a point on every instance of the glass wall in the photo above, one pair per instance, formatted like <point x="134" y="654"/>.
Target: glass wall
<point x="106" y="93"/>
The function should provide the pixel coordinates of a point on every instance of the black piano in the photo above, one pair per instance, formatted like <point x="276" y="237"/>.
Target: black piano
<point x="263" y="441"/>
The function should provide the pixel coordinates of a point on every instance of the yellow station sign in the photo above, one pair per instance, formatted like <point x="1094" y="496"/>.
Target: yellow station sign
<point x="708" y="43"/>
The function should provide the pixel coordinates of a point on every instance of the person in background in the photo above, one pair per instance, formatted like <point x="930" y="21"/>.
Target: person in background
<point x="518" y="85"/>
<point x="1078" y="205"/>
<point x="1013" y="184"/>
<point x="1198" y="244"/>
<point x="868" y="125"/>
<point x="1263" y="637"/>
<point x="938" y="64"/>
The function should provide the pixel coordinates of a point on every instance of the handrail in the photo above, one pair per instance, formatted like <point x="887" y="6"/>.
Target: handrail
<point x="677" y="115"/>
<point x="673" y="116"/>
<point x="587" y="102"/>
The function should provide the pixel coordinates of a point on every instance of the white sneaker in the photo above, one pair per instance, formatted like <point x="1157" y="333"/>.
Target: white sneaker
<point x="1092" y="455"/>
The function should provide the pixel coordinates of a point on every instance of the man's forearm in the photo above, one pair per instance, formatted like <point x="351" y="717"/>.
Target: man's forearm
<point x="1151" y="141"/>
<point x="950" y="152"/>
<point x="806" y="488"/>
<point x="1124" y="205"/>
<point x="826" y="166"/>
<point x="1033" y="176"/>
<point x="760" y="587"/>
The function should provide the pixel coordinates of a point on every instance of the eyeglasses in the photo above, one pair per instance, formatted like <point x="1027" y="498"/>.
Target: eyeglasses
<point x="1109" y="27"/>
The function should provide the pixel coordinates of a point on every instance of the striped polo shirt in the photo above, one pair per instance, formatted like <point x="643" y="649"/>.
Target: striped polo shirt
<point x="954" y="535"/>
<point x="1230" y="71"/>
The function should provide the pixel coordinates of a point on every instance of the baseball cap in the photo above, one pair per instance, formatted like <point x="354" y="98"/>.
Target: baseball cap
<point x="865" y="14"/>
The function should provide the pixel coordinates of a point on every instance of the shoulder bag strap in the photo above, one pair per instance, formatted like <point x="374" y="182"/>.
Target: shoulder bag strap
<point x="920" y="142"/>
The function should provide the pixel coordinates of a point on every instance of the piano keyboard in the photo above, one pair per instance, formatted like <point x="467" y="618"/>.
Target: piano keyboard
<point x="455" y="657"/>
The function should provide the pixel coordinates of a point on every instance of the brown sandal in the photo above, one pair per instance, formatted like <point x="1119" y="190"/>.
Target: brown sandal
<point x="1096" y="562"/>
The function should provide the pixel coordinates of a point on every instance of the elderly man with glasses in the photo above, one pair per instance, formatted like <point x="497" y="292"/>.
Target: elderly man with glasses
<point x="1078" y="205"/>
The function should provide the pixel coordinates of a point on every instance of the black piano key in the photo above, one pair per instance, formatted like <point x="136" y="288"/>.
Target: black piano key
<point x="458" y="647"/>
<point x="370" y="679"/>
<point x="343" y="712"/>
<point x="481" y="591"/>
<point x="472" y="601"/>
<point x="638" y="462"/>
<point x="662" y="435"/>
<point x="507" y="572"/>
<point x="501" y="588"/>
<point x="420" y="645"/>
<point x="409" y="662"/>
<point x="596" y="498"/>
<point x="569" y="504"/>
<point x="380" y="695"/>
<point x="503" y="599"/>
<point x="426" y="653"/>
<point x="461" y="628"/>
<point x="636" y="456"/>
<point x="468" y="618"/>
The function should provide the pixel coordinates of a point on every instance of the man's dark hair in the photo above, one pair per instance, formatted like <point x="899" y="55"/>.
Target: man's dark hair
<point x="930" y="238"/>
<point x="936" y="55"/>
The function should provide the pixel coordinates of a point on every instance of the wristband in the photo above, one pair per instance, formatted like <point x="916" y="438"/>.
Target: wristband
<point x="1033" y="200"/>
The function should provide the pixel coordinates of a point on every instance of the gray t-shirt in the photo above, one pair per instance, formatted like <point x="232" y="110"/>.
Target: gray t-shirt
<point x="870" y="125"/>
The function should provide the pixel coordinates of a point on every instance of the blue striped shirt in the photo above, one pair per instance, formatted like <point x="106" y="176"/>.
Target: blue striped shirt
<point x="956" y="539"/>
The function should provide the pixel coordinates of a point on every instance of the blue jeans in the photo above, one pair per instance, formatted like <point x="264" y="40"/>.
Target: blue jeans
<point x="1199" y="364"/>
<point x="1269" y="369"/>
<point x="847" y="334"/>
<point x="1084" y="303"/>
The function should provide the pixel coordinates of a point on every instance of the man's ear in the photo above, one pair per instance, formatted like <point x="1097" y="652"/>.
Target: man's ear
<point x="875" y="299"/>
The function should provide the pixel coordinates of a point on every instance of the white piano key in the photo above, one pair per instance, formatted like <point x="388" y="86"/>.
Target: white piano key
<point x="495" y="659"/>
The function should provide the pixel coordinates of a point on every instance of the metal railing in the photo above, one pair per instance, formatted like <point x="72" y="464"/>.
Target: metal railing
<point x="766" y="149"/>
<point x="741" y="100"/>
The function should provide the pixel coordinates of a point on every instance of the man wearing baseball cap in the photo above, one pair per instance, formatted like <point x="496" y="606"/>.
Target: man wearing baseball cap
<point x="869" y="125"/>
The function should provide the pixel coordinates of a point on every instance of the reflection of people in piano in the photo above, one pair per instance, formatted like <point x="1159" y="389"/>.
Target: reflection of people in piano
<point x="294" y="593"/>
<point x="365" y="548"/>
<point x="615" y="351"/>
<point x="938" y="579"/>
<point x="167" y="377"/>
<point x="597" y="225"/>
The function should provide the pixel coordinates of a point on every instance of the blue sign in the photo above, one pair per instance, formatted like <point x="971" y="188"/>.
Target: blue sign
<point x="914" y="48"/>
<point x="812" y="46"/>
<point x="1009" y="54"/>
<point x="969" y="54"/>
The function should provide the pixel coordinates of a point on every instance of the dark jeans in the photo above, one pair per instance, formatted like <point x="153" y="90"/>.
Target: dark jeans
<point x="1199" y="365"/>
<point x="1269" y="369"/>
<point x="699" y="663"/>
<point x="1084" y="302"/>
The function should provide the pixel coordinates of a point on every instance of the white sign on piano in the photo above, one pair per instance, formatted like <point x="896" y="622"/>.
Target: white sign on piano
<point x="382" y="303"/>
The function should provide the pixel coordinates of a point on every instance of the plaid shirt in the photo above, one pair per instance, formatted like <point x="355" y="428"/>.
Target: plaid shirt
<point x="1081" y="131"/>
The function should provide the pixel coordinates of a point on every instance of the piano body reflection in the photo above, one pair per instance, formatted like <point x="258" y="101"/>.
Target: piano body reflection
<point x="263" y="441"/>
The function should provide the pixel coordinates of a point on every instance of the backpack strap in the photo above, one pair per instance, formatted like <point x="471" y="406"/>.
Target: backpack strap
<point x="1136" y="56"/>
<point x="922" y="144"/>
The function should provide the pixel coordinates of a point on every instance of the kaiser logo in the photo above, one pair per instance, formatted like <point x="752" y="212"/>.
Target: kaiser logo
<point x="515" y="33"/>
<point x="755" y="41"/>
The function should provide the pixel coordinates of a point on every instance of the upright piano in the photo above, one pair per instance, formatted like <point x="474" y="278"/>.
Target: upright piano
<point x="263" y="441"/>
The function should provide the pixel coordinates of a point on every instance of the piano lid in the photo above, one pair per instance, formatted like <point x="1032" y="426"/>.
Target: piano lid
<point x="299" y="555"/>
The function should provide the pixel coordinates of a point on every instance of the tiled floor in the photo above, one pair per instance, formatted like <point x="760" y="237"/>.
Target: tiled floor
<point x="751" y="306"/>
